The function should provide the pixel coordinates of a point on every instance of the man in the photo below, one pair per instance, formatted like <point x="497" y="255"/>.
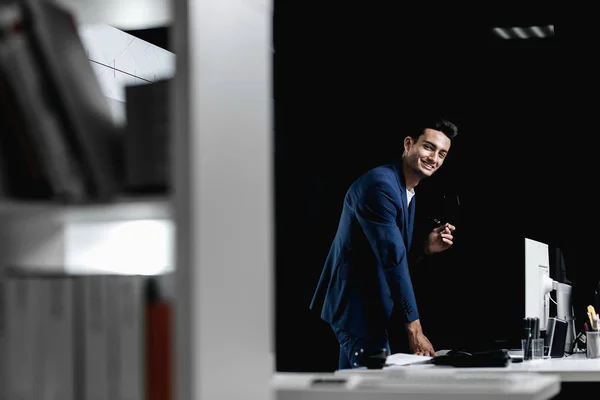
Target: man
<point x="366" y="272"/>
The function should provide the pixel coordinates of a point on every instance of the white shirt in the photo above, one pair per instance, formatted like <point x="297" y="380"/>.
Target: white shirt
<point x="409" y="195"/>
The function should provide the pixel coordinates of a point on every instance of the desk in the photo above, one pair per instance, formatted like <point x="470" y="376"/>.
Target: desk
<point x="431" y="384"/>
<point x="574" y="371"/>
<point x="573" y="368"/>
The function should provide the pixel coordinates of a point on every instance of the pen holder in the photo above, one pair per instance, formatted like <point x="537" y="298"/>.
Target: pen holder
<point x="593" y="344"/>
<point x="533" y="349"/>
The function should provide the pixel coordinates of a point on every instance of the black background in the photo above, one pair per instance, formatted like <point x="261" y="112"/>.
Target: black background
<point x="347" y="82"/>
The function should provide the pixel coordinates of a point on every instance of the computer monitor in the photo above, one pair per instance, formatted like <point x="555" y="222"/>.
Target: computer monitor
<point x="548" y="292"/>
<point x="537" y="279"/>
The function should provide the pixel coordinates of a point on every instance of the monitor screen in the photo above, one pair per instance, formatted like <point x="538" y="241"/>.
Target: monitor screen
<point x="537" y="277"/>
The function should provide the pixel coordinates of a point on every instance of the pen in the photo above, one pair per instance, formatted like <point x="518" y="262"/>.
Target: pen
<point x="592" y="317"/>
<point x="527" y="334"/>
<point x="526" y="328"/>
<point x="535" y="328"/>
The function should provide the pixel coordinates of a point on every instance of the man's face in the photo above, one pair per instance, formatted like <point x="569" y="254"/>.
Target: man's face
<point x="428" y="153"/>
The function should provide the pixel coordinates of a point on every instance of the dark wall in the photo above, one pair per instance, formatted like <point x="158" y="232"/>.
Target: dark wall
<point x="343" y="93"/>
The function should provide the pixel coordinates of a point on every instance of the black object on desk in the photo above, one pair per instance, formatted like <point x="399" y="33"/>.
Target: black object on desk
<point x="556" y="336"/>
<point x="329" y="382"/>
<point x="482" y="359"/>
<point x="372" y="358"/>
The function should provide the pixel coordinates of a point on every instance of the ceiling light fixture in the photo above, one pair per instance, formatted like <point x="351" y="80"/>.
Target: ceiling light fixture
<point x="518" y="32"/>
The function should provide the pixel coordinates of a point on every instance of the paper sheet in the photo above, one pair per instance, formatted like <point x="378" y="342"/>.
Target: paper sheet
<point x="406" y="359"/>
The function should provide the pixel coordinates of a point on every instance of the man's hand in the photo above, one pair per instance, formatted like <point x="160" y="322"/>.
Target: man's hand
<point x="417" y="341"/>
<point x="439" y="239"/>
<point x="420" y="345"/>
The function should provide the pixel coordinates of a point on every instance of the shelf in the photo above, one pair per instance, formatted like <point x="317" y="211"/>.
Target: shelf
<point x="125" y="209"/>
<point x="124" y="15"/>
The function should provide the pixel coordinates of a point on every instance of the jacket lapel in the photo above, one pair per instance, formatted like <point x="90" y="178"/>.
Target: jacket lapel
<point x="408" y="212"/>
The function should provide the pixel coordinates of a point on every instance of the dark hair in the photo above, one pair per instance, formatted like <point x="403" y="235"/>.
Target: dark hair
<point x="438" y="124"/>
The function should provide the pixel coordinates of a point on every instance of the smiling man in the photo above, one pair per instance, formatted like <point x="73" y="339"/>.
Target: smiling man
<point x="366" y="273"/>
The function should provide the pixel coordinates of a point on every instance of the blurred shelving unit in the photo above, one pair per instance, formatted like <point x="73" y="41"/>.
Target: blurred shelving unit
<point x="220" y="214"/>
<point x="122" y="209"/>
<point x="129" y="236"/>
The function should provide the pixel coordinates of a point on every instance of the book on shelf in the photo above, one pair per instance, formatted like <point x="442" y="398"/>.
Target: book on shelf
<point x="58" y="138"/>
<point x="85" y="337"/>
<point x="147" y="144"/>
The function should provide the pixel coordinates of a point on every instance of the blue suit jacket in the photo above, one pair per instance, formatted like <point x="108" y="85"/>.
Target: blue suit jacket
<point x="366" y="271"/>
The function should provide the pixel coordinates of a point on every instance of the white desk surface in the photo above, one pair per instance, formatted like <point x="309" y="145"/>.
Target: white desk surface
<point x="427" y="384"/>
<point x="573" y="368"/>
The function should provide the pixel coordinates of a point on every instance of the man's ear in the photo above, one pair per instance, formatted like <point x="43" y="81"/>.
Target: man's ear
<point x="408" y="142"/>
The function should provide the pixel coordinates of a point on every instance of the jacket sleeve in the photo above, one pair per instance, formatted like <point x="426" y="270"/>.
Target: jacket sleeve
<point x="376" y="213"/>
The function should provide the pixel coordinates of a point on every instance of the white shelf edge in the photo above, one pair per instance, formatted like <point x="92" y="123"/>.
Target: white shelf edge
<point x="124" y="209"/>
<point x="124" y="15"/>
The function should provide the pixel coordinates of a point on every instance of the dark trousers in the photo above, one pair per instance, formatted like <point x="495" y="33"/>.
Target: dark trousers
<point x="352" y="348"/>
